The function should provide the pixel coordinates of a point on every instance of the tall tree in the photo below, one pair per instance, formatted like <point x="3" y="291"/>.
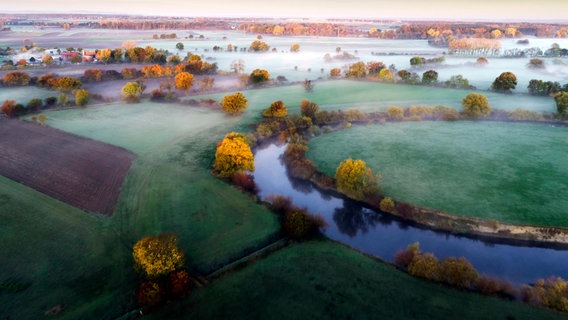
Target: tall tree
<point x="233" y="155"/>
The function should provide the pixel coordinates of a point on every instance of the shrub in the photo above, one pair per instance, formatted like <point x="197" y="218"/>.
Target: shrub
<point x="149" y="294"/>
<point x="157" y="95"/>
<point x="523" y="114"/>
<point x="309" y="109"/>
<point x="129" y="73"/>
<point x="82" y="97"/>
<point x="425" y="265"/>
<point x="298" y="224"/>
<point x="395" y="113"/>
<point x="403" y="258"/>
<point x="258" y="76"/>
<point x="279" y="204"/>
<point x="34" y="104"/>
<point x="561" y="102"/>
<point x="387" y="205"/>
<point x="276" y="109"/>
<point x="178" y="284"/>
<point x="234" y="103"/>
<point x="131" y="91"/>
<point x="157" y="255"/>
<point x="494" y="287"/>
<point x="9" y="108"/>
<point x="457" y="272"/>
<point x="244" y="182"/>
<point x="50" y="101"/>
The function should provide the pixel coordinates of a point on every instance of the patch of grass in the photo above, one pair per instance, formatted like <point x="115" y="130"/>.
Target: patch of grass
<point x="325" y="280"/>
<point x="502" y="171"/>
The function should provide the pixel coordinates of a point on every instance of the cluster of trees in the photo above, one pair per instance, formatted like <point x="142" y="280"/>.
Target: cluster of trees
<point x="551" y="293"/>
<point x="160" y="261"/>
<point x="418" y="61"/>
<point x="474" y="47"/>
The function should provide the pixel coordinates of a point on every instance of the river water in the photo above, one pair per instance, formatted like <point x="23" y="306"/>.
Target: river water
<point x="381" y="235"/>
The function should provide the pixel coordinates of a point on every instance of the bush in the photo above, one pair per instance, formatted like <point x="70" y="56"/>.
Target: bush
<point x="457" y="272"/>
<point x="50" y="101"/>
<point x="150" y="294"/>
<point x="309" y="109"/>
<point x="490" y="286"/>
<point x="276" y="109"/>
<point x="16" y="78"/>
<point x="34" y="104"/>
<point x="395" y="113"/>
<point x="82" y="97"/>
<point x="403" y="258"/>
<point x="387" y="205"/>
<point x="244" y="182"/>
<point x="561" y="102"/>
<point x="258" y="76"/>
<point x="279" y="204"/>
<point x="178" y="284"/>
<point x="298" y="224"/>
<point x="425" y="265"/>
<point x="523" y="114"/>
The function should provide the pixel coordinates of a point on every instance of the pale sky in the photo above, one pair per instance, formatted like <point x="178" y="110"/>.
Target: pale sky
<point x="497" y="10"/>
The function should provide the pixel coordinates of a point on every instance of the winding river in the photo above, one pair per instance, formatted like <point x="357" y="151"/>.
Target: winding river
<point x="382" y="235"/>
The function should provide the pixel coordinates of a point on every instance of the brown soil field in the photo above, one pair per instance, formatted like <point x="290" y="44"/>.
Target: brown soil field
<point x="81" y="172"/>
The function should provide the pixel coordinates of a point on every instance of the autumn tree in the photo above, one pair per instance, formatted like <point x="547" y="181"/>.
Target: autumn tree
<point x="536" y="63"/>
<point x="425" y="265"/>
<point x="505" y="82"/>
<point x="258" y="76"/>
<point x="386" y="75"/>
<point x="355" y="179"/>
<point x="16" y="78"/>
<point x="277" y="109"/>
<point x="335" y="72"/>
<point x="131" y="91"/>
<point x="183" y="81"/>
<point x="309" y="109"/>
<point x="233" y="155"/>
<point x="104" y="55"/>
<point x="482" y="61"/>
<point x="295" y="48"/>
<point x="9" y="108"/>
<point x="93" y="75"/>
<point x="429" y="77"/>
<point x="357" y="70"/>
<point x="234" y="103"/>
<point x="82" y="97"/>
<point x="476" y="105"/>
<point x="561" y="103"/>
<point x="157" y="255"/>
<point x="259" y="46"/>
<point x="47" y="59"/>
<point x="387" y="205"/>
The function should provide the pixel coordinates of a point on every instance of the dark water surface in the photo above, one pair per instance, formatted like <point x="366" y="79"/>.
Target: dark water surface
<point x="382" y="235"/>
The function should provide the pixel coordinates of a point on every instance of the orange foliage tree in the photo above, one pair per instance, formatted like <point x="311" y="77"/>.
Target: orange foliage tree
<point x="276" y="109"/>
<point x="233" y="155"/>
<point x="183" y="81"/>
<point x="16" y="78"/>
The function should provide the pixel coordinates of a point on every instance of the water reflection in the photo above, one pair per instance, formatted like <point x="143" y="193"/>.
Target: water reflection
<point x="383" y="235"/>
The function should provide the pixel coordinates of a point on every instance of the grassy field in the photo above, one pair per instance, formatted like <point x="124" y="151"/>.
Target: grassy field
<point x="24" y="94"/>
<point x="325" y="280"/>
<point x="369" y="96"/>
<point x="84" y="261"/>
<point x="508" y="172"/>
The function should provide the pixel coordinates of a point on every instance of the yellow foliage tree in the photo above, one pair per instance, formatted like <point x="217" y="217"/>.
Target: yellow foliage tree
<point x="355" y="179"/>
<point x="276" y="109"/>
<point x="183" y="81"/>
<point x="295" y="47"/>
<point x="395" y="113"/>
<point x="234" y="103"/>
<point x="157" y="255"/>
<point x="233" y="155"/>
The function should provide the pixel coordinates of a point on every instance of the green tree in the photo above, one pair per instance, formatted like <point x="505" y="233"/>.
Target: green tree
<point x="233" y="155"/>
<point x="82" y="97"/>
<point x="505" y="82"/>
<point x="417" y="61"/>
<point x="355" y="179"/>
<point x="561" y="102"/>
<point x="179" y="46"/>
<point x="157" y="255"/>
<point x="429" y="77"/>
<point x="131" y="92"/>
<point x="476" y="105"/>
<point x="234" y="103"/>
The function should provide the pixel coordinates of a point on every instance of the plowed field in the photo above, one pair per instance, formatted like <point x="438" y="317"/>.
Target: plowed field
<point x="82" y="172"/>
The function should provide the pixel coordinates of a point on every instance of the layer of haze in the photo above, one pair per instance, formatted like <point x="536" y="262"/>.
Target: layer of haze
<point x="497" y="10"/>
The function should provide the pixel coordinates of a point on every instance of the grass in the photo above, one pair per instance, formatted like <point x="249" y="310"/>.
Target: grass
<point x="371" y="96"/>
<point x="24" y="94"/>
<point x="84" y="261"/>
<point x="325" y="280"/>
<point x="508" y="172"/>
